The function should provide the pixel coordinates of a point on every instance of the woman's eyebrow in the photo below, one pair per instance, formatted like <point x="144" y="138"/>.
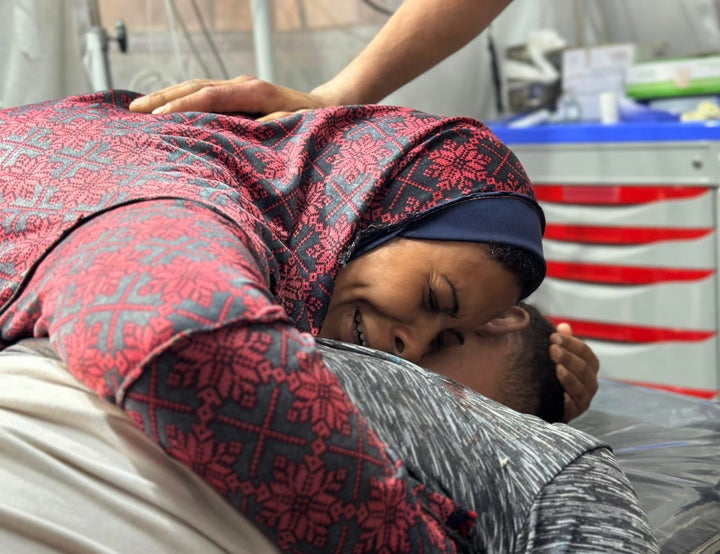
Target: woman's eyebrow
<point x="453" y="312"/>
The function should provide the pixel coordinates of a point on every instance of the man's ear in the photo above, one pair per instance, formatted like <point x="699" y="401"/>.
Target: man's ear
<point x="513" y="319"/>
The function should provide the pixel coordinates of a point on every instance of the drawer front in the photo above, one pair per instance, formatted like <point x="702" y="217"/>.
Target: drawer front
<point x="687" y="368"/>
<point x="676" y="306"/>
<point x="690" y="258"/>
<point x="667" y="163"/>
<point x="633" y="270"/>
<point x="693" y="212"/>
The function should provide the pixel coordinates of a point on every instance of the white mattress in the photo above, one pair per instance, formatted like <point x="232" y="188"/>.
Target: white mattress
<point x="78" y="477"/>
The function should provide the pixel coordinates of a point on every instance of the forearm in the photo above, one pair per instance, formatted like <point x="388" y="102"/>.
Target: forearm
<point x="271" y="430"/>
<point x="162" y="308"/>
<point x="419" y="35"/>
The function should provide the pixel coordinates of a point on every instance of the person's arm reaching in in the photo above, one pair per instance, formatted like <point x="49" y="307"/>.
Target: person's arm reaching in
<point x="418" y="36"/>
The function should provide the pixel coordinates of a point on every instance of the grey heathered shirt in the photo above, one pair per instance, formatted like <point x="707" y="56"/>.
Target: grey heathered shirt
<point x="535" y="487"/>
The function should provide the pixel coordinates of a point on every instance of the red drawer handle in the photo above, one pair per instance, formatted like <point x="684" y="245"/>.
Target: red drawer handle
<point x="631" y="333"/>
<point x="604" y="195"/>
<point x="707" y="394"/>
<point x="590" y="234"/>
<point x="622" y="275"/>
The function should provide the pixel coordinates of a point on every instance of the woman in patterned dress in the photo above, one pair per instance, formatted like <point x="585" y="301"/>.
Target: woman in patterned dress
<point x="182" y="266"/>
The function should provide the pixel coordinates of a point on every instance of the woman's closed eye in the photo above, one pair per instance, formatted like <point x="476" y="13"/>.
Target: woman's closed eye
<point x="443" y="300"/>
<point x="433" y="302"/>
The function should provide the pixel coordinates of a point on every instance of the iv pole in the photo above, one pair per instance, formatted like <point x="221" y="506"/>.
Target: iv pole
<point x="96" y="48"/>
<point x="97" y="41"/>
<point x="263" y="39"/>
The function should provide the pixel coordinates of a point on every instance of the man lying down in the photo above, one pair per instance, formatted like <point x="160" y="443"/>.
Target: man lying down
<point x="79" y="476"/>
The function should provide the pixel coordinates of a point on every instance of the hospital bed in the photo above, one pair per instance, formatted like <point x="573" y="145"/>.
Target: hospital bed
<point x="78" y="476"/>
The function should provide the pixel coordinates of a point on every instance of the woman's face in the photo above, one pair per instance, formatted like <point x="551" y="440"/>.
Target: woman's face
<point x="418" y="298"/>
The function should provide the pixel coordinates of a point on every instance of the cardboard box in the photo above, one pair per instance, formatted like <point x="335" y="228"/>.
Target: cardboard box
<point x="596" y="69"/>
<point x="589" y="74"/>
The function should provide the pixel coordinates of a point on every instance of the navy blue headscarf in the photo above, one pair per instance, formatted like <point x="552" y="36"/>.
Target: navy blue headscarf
<point x="502" y="219"/>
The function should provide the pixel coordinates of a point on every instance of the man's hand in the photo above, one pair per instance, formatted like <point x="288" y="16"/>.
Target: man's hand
<point x="577" y="369"/>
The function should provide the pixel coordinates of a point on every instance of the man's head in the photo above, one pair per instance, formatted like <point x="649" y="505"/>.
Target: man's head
<point x="513" y="368"/>
<point x="530" y="383"/>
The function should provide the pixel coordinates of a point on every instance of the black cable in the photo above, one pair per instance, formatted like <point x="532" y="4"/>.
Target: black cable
<point x="209" y="40"/>
<point x="495" y="69"/>
<point x="378" y="7"/>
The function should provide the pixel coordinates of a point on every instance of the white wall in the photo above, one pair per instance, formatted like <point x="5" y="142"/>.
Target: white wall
<point x="39" y="51"/>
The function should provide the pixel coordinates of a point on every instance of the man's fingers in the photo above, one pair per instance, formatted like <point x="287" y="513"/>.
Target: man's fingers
<point x="577" y="368"/>
<point x="582" y="368"/>
<point x="571" y="409"/>
<point x="575" y="352"/>
<point x="574" y="384"/>
<point x="577" y="397"/>
<point x="214" y="98"/>
<point x="241" y="93"/>
<point x="157" y="99"/>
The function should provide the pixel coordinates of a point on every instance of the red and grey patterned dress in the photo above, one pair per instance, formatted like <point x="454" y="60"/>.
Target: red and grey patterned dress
<point x="181" y="264"/>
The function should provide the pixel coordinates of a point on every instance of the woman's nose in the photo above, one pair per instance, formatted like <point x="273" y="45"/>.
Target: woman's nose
<point x="412" y="342"/>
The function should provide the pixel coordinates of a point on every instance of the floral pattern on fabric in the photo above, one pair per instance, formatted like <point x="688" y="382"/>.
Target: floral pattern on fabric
<point x="300" y="188"/>
<point x="179" y="265"/>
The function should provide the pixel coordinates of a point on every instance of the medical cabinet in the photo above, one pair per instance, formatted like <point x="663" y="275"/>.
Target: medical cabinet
<point x="632" y="244"/>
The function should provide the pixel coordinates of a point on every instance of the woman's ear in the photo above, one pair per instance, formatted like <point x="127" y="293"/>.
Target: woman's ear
<point x="513" y="319"/>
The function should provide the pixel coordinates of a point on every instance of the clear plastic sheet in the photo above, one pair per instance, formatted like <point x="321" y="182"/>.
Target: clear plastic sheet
<point x="669" y="446"/>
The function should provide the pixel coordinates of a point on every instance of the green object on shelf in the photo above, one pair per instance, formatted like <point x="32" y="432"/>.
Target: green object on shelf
<point x="671" y="78"/>
<point x="667" y="89"/>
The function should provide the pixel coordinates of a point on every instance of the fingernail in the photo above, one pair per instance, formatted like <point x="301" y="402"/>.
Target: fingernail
<point x="161" y="110"/>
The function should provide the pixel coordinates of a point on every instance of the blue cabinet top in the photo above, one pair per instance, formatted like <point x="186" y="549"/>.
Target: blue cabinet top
<point x="655" y="131"/>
